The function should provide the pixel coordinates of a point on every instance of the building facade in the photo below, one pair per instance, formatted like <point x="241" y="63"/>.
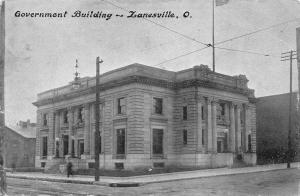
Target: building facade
<point x="20" y="145"/>
<point x="149" y="117"/>
<point x="273" y="128"/>
<point x="20" y="142"/>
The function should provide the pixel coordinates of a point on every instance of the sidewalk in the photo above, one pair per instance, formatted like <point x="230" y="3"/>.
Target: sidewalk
<point x="147" y="179"/>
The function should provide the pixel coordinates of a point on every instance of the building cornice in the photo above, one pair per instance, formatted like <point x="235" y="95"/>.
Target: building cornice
<point x="147" y="81"/>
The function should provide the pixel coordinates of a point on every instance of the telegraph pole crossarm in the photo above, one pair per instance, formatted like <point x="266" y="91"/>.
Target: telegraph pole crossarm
<point x="285" y="57"/>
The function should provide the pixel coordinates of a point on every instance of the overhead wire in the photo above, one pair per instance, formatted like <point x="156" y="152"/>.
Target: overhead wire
<point x="256" y="31"/>
<point x="162" y="26"/>
<point x="246" y="51"/>
<point x="209" y="45"/>
<point x="238" y="37"/>
<point x="177" y="57"/>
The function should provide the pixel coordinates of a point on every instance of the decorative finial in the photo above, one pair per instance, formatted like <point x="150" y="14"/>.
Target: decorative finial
<point x="76" y="82"/>
<point x="76" y="70"/>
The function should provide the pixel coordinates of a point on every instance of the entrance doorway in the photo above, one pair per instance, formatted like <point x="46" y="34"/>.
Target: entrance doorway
<point x="219" y="146"/>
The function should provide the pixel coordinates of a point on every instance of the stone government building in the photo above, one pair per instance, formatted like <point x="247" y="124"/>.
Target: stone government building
<point x="149" y="117"/>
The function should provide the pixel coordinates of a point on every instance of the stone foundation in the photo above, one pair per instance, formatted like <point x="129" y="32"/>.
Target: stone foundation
<point x="144" y="161"/>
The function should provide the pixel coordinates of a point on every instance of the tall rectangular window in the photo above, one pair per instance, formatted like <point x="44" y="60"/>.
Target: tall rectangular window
<point x="158" y="105"/>
<point x="157" y="145"/>
<point x="184" y="136"/>
<point x="120" y="141"/>
<point x="73" y="148"/>
<point x="184" y="113"/>
<point x="79" y="116"/>
<point x="44" y="146"/>
<point x="100" y="143"/>
<point x="100" y="111"/>
<point x="45" y="120"/>
<point x="121" y="106"/>
<point x="203" y="135"/>
<point x="222" y="105"/>
<point x="80" y="147"/>
<point x="249" y="143"/>
<point x="202" y="112"/>
<point x="65" y="116"/>
<point x="65" y="144"/>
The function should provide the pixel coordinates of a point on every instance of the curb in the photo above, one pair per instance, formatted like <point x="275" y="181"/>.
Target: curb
<point x="216" y="175"/>
<point x="125" y="184"/>
<point x="54" y="180"/>
<point x="137" y="184"/>
<point x="121" y="184"/>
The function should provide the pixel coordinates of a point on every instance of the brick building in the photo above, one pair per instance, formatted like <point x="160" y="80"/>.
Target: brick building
<point x="273" y="126"/>
<point x="20" y="145"/>
<point x="149" y="117"/>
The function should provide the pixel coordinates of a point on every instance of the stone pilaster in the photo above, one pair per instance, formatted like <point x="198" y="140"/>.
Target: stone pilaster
<point x="76" y="112"/>
<point x="75" y="146"/>
<point x="56" y="135"/>
<point x="247" y="127"/>
<point x="61" y="146"/>
<point x="86" y="129"/>
<point x="51" y="139"/>
<point x="238" y="135"/>
<point x="214" y="124"/>
<point x="232" y="128"/>
<point x="70" y="120"/>
<point x="38" y="135"/>
<point x="209" y="126"/>
<point x="200" y="102"/>
<point x="252" y="113"/>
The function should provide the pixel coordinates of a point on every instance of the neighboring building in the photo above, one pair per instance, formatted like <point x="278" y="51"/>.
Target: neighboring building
<point x="149" y="118"/>
<point x="273" y="125"/>
<point x="20" y="145"/>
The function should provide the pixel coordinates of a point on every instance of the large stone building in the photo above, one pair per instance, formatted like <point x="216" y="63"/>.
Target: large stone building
<point x="149" y="118"/>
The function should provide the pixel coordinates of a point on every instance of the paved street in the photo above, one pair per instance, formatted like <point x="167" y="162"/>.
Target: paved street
<point x="280" y="182"/>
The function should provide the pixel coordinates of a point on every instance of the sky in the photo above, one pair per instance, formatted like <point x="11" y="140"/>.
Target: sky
<point x="41" y="52"/>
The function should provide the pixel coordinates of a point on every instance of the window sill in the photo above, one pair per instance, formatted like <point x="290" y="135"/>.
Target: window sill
<point x="44" y="127"/>
<point x="158" y="156"/>
<point x="158" y="118"/>
<point x="122" y="114"/>
<point x="119" y="156"/>
<point x="120" y="118"/>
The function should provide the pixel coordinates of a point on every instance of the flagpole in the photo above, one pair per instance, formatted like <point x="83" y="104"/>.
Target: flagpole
<point x="213" y="34"/>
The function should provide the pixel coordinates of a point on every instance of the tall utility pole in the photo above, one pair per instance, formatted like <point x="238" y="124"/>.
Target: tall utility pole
<point x="213" y="35"/>
<point x="285" y="57"/>
<point x="2" y="67"/>
<point x="97" y="120"/>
